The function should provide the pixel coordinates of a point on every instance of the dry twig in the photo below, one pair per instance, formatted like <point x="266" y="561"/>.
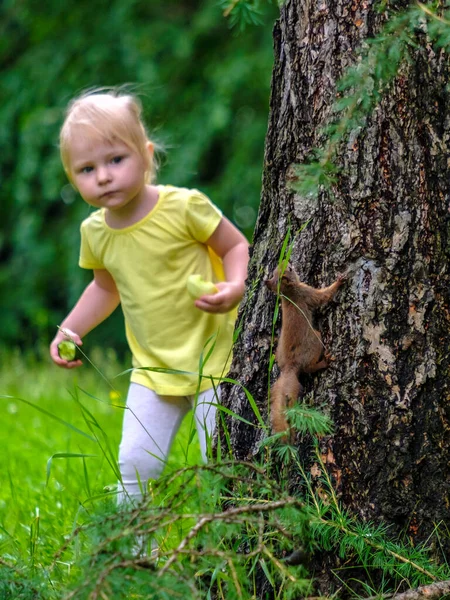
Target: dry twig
<point x="437" y="590"/>
<point x="432" y="591"/>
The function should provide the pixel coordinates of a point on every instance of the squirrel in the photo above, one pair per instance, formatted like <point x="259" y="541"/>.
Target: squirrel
<point x="300" y="348"/>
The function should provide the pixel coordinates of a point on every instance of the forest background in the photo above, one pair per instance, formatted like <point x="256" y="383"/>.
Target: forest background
<point x="205" y="92"/>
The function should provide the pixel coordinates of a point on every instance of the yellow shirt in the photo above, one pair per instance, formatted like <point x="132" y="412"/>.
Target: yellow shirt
<point x="150" y="262"/>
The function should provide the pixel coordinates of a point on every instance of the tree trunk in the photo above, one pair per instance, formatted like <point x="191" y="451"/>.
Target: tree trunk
<point x="387" y="225"/>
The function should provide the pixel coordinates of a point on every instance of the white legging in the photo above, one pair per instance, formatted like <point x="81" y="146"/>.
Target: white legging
<point x="149" y="426"/>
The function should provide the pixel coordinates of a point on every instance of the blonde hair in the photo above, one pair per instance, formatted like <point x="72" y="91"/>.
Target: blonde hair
<point x="106" y="116"/>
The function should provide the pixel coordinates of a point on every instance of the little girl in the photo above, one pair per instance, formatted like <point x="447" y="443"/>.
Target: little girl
<point x="142" y="243"/>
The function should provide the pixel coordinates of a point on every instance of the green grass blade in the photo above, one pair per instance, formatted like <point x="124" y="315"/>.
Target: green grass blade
<point x="49" y="414"/>
<point x="250" y="399"/>
<point x="63" y="455"/>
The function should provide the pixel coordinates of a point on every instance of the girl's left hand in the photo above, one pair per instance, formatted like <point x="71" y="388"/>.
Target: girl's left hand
<point x="228" y="297"/>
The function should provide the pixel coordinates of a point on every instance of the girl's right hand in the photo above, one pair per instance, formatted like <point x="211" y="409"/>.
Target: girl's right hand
<point x="65" y="334"/>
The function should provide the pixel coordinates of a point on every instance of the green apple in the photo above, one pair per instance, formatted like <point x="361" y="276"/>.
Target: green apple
<point x="68" y="350"/>
<point x="198" y="287"/>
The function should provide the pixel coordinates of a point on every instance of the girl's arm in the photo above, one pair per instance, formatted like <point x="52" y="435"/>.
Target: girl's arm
<point x="232" y="247"/>
<point x="96" y="303"/>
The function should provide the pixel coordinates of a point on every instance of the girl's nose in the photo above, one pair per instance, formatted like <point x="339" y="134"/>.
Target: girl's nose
<point x="103" y="175"/>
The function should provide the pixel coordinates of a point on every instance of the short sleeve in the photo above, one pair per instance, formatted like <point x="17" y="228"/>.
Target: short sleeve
<point x="202" y="216"/>
<point x="87" y="259"/>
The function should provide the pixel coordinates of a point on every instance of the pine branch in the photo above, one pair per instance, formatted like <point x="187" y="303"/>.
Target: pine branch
<point x="426" y="9"/>
<point x="8" y="565"/>
<point x="254" y="519"/>
<point x="242" y="12"/>
<point x="375" y="542"/>
<point x="382" y="547"/>
<point x="228" y="516"/>
<point x="229" y="9"/>
<point x="361" y="89"/>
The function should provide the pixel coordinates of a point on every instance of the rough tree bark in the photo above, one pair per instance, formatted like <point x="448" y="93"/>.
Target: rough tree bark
<point x="388" y="225"/>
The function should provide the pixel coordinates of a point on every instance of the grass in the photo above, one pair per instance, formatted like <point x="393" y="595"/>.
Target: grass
<point x="54" y="473"/>
<point x="219" y="528"/>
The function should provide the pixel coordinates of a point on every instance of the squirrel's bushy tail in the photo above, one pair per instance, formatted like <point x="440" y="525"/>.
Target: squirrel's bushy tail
<point x="283" y="394"/>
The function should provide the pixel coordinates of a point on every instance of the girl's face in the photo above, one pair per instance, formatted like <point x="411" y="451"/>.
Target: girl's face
<point x="107" y="174"/>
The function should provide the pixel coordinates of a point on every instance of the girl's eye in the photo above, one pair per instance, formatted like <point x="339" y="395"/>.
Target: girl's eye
<point x="86" y="169"/>
<point x="117" y="159"/>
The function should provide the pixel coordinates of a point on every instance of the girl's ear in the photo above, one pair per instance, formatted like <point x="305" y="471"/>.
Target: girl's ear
<point x="148" y="159"/>
<point x="151" y="149"/>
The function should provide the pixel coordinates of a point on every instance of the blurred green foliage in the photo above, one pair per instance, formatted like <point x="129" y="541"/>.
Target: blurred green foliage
<point x="205" y="91"/>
